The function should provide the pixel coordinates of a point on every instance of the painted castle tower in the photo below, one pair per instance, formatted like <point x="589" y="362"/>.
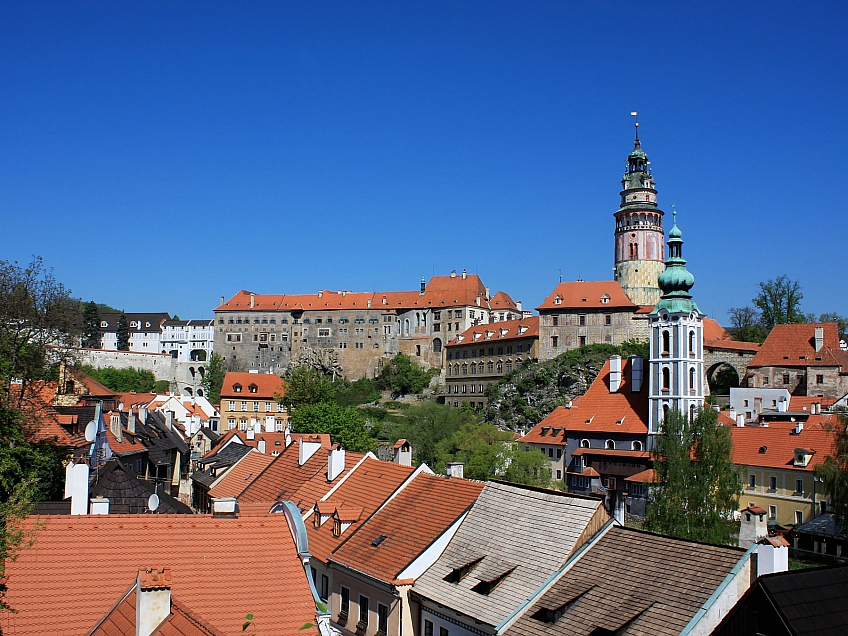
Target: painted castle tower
<point x="677" y="342"/>
<point x="639" y="252"/>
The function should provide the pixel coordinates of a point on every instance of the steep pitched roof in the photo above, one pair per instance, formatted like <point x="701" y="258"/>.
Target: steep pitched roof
<point x="79" y="566"/>
<point x="149" y="322"/>
<point x="365" y="488"/>
<point x="794" y="346"/>
<point x="630" y="582"/>
<point x="774" y="447"/>
<point x="513" y="537"/>
<point x="498" y="331"/>
<point x="714" y="331"/>
<point x="244" y="471"/>
<point x="127" y="494"/>
<point x="408" y="524"/>
<point x="605" y="294"/>
<point x="268" y="386"/>
<point x="599" y="410"/>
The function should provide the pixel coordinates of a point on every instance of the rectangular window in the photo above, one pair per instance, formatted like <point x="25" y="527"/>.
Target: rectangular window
<point x="786" y="378"/>
<point x="269" y="407"/>
<point x="772" y="483"/>
<point x="382" y="619"/>
<point x="772" y="512"/>
<point x="324" y="333"/>
<point x="799" y="486"/>
<point x="345" y="606"/>
<point x="428" y="628"/>
<point x="819" y="378"/>
<point x="555" y="321"/>
<point x="280" y="407"/>
<point x="244" y="406"/>
<point x="554" y="341"/>
<point x="607" y="319"/>
<point x="457" y="313"/>
<point x="325" y="587"/>
<point x="256" y="407"/>
<point x="443" y="631"/>
<point x="232" y="405"/>
<point x="363" y="609"/>
<point x="799" y="517"/>
<point x="582" y="320"/>
<point x="752" y="481"/>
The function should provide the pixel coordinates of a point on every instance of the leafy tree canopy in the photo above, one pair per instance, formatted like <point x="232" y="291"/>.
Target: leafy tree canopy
<point x="306" y="385"/>
<point x="213" y="380"/>
<point x="697" y="486"/>
<point x="345" y="425"/>
<point x="427" y="424"/>
<point x="123" y="380"/>
<point x="403" y="376"/>
<point x="779" y="302"/>
<point x="834" y="471"/>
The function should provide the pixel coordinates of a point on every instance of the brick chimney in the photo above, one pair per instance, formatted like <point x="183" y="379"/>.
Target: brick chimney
<point x="153" y="603"/>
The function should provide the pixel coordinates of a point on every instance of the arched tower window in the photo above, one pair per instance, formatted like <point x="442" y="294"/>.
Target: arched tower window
<point x="691" y="343"/>
<point x="666" y="342"/>
<point x="637" y="446"/>
<point x="666" y="379"/>
<point x="692" y="379"/>
<point x="609" y="445"/>
<point x="584" y="443"/>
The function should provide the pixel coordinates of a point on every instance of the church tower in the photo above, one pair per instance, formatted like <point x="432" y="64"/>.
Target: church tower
<point x="639" y="250"/>
<point x="676" y="377"/>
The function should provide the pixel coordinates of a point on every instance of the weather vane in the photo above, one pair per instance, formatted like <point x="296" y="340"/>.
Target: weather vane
<point x="633" y="113"/>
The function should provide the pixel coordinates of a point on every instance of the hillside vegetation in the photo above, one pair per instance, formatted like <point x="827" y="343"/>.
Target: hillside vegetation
<point x="525" y="396"/>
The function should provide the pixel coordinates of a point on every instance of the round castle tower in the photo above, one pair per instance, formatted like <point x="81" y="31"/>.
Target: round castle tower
<point x="639" y="244"/>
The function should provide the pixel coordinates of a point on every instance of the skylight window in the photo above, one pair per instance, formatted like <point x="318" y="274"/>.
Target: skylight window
<point x="378" y="541"/>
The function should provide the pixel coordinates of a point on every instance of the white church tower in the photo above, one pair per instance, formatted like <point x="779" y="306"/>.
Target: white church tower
<point x="677" y="342"/>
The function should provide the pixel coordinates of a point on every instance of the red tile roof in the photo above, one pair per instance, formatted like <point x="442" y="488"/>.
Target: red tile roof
<point x="367" y="488"/>
<point x="731" y="345"/>
<point x="611" y="452"/>
<point x="642" y="477"/>
<point x="222" y="568"/>
<point x="268" y="386"/>
<point x="794" y="346"/>
<point x="409" y="523"/>
<point x="241" y="475"/>
<point x="778" y="446"/>
<point x="502" y="300"/>
<point x="588" y="295"/>
<point x="804" y="402"/>
<point x="601" y="411"/>
<point x="270" y="440"/>
<point x="714" y="331"/>
<point x="504" y="330"/>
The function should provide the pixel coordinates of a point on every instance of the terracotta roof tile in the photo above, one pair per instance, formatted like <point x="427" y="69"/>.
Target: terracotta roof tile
<point x="599" y="410"/>
<point x="588" y="295"/>
<point x="794" y="346"/>
<point x="366" y="487"/>
<point x="504" y="330"/>
<point x="804" y="402"/>
<point x="241" y="475"/>
<point x="778" y="446"/>
<point x="731" y="345"/>
<point x="409" y="523"/>
<point x="77" y="568"/>
<point x="268" y="386"/>
<point x="714" y="331"/>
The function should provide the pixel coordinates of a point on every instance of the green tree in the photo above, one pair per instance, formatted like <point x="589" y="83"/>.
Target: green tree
<point x="345" y="425"/>
<point x="425" y="425"/>
<point x="91" y="326"/>
<point x="528" y="467"/>
<point x="746" y="325"/>
<point x="697" y="486"/>
<point x="841" y="323"/>
<point x="213" y="379"/>
<point x="779" y="302"/>
<point x="403" y="376"/>
<point x="123" y="380"/>
<point x="123" y="333"/>
<point x="834" y="471"/>
<point x="306" y="385"/>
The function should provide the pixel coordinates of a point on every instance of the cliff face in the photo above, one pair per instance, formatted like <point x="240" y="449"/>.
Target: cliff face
<point x="523" y="398"/>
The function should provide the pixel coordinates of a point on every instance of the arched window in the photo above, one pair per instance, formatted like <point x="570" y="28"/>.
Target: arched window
<point x="637" y="446"/>
<point x="437" y="345"/>
<point x="692" y="379"/>
<point x="691" y="343"/>
<point x="584" y="443"/>
<point x="666" y="379"/>
<point x="692" y="410"/>
<point x="473" y="368"/>
<point x="666" y="342"/>
<point x="609" y="445"/>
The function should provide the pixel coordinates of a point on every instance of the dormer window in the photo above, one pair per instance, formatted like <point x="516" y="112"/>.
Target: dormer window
<point x="253" y="388"/>
<point x="557" y="300"/>
<point x="337" y="527"/>
<point x="237" y="388"/>
<point x="605" y="299"/>
<point x="802" y="457"/>
<point x="545" y="430"/>
<point x="460" y="572"/>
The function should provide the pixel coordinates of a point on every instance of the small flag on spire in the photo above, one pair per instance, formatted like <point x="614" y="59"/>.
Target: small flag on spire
<point x="633" y="113"/>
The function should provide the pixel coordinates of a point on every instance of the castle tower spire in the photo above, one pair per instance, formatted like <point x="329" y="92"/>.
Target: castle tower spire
<point x="677" y="342"/>
<point x="639" y="250"/>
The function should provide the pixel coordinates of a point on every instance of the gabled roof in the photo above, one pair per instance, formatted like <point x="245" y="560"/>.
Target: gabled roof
<point x="149" y="322"/>
<point x="409" y="523"/>
<point x="498" y="331"/>
<point x="774" y="447"/>
<point x="630" y="582"/>
<point x="241" y="474"/>
<point x="794" y="346"/>
<point x="127" y="494"/>
<point x="80" y="565"/>
<point x="515" y="537"/>
<point x="598" y="410"/>
<point x="366" y="488"/>
<point x="605" y="294"/>
<point x="714" y="331"/>
<point x="215" y="462"/>
<point x="268" y="386"/>
<point x="273" y="441"/>
<point x="502" y="300"/>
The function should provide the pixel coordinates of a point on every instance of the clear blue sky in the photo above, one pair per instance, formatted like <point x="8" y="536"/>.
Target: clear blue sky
<point x="161" y="155"/>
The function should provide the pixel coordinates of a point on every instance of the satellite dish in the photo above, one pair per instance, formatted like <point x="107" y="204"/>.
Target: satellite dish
<point x="91" y="431"/>
<point x="153" y="502"/>
<point x="121" y="407"/>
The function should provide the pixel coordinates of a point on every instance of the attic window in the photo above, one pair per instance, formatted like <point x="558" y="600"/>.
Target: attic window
<point x="545" y="430"/>
<point x="252" y="388"/>
<point x="460" y="572"/>
<point x="557" y="430"/>
<point x="488" y="585"/>
<point x="378" y="541"/>
<point x="557" y="300"/>
<point x="605" y="299"/>
<point x="763" y="450"/>
<point x="237" y="388"/>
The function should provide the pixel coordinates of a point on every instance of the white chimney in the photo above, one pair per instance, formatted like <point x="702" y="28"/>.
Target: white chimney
<point x="306" y="450"/>
<point x="815" y="408"/>
<point x="637" y="371"/>
<point x="819" y="338"/>
<point x="740" y="420"/>
<point x="169" y="420"/>
<point x="142" y="414"/>
<point x="77" y="486"/>
<point x="99" y="506"/>
<point x="782" y="405"/>
<point x="615" y="374"/>
<point x="252" y="300"/>
<point x="288" y="437"/>
<point x="251" y="433"/>
<point x="223" y="506"/>
<point x="131" y="421"/>
<point x="464" y="274"/>
<point x="260" y="446"/>
<point x="335" y="462"/>
<point x="153" y="600"/>
<point x="455" y="469"/>
<point x="732" y="414"/>
<point x="222" y="300"/>
<point x="115" y="426"/>
<point x="799" y="426"/>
